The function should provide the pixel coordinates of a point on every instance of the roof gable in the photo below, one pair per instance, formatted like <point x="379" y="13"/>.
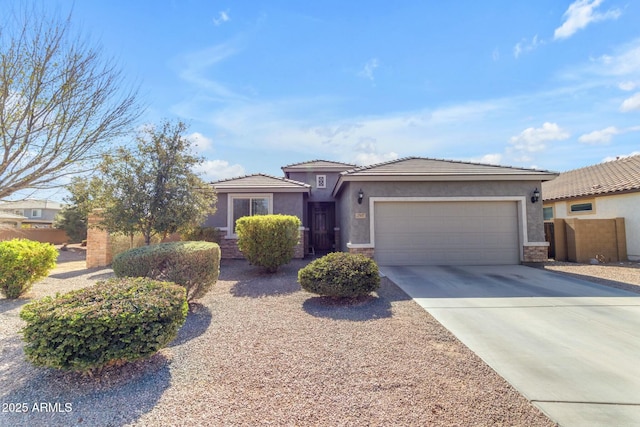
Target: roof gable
<point x="260" y="182"/>
<point x="618" y="176"/>
<point x="318" y="165"/>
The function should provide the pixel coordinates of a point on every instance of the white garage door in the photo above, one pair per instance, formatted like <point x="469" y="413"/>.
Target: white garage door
<point x="446" y="233"/>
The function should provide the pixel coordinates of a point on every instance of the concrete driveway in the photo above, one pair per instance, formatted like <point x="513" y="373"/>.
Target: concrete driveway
<point x="570" y="346"/>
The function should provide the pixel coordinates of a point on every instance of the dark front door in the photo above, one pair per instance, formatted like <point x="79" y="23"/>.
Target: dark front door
<point x="549" y="236"/>
<point x="322" y="224"/>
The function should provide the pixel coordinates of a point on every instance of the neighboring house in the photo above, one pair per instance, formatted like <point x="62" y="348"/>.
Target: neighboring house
<point x="605" y="191"/>
<point x="35" y="213"/>
<point x="410" y="211"/>
<point x="11" y="220"/>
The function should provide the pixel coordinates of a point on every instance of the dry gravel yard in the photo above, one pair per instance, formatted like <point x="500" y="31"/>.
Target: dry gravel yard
<point x="259" y="351"/>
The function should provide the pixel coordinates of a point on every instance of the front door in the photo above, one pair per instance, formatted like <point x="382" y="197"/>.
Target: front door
<point x="322" y="224"/>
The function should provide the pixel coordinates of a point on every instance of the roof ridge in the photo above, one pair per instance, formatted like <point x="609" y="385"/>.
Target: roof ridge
<point x="316" y="160"/>
<point x="265" y="175"/>
<point x="402" y="159"/>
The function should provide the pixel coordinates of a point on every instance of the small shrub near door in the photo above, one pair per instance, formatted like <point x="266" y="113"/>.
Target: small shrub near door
<point x="268" y="241"/>
<point x="340" y="274"/>
<point x="22" y="263"/>
<point x="194" y="265"/>
<point x="112" y="322"/>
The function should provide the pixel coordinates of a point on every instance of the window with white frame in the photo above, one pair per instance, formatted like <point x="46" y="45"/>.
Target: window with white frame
<point x="547" y="211"/>
<point x="36" y="213"/>
<point x="248" y="205"/>
<point x="321" y="181"/>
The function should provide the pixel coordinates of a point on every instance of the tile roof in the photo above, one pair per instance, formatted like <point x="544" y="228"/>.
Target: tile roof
<point x="260" y="181"/>
<point x="30" y="204"/>
<point x="621" y="175"/>
<point x="421" y="166"/>
<point x="318" y="165"/>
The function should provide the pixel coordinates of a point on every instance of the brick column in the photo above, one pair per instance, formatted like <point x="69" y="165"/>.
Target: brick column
<point x="99" y="252"/>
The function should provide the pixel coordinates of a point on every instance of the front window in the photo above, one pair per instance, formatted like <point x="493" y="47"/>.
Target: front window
<point x="548" y="213"/>
<point x="249" y="205"/>
<point x="36" y="213"/>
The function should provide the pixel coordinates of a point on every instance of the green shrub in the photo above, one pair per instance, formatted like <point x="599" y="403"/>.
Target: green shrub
<point x="116" y="321"/>
<point x="268" y="240"/>
<point x="206" y="234"/>
<point x="194" y="265"/>
<point x="22" y="263"/>
<point x="340" y="274"/>
<point x="122" y="243"/>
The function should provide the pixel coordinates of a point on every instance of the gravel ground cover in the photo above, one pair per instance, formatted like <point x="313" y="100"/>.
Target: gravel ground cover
<point x="257" y="350"/>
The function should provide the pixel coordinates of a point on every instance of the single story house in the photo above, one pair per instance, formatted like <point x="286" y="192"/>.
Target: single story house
<point x="595" y="196"/>
<point x="410" y="211"/>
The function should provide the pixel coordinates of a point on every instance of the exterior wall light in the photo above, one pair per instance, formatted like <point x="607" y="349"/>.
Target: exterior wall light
<point x="360" y="196"/>
<point x="535" y="196"/>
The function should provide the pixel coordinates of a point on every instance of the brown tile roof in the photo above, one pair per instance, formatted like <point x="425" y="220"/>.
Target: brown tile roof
<point x="421" y="166"/>
<point x="622" y="175"/>
<point x="318" y="165"/>
<point x="260" y="182"/>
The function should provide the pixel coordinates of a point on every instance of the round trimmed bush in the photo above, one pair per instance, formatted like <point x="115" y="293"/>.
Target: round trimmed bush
<point x="22" y="263"/>
<point x="116" y="321"/>
<point x="268" y="241"/>
<point x="340" y="274"/>
<point x="194" y="265"/>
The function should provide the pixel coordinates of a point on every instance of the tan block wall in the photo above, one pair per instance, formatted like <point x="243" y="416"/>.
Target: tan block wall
<point x="586" y="239"/>
<point x="535" y="253"/>
<point x="368" y="252"/>
<point x="99" y="253"/>
<point x="43" y="235"/>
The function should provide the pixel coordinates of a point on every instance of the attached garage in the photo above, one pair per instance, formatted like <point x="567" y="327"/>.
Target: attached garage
<point x="446" y="232"/>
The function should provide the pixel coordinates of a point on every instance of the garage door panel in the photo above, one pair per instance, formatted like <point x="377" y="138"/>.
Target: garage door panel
<point x="446" y="233"/>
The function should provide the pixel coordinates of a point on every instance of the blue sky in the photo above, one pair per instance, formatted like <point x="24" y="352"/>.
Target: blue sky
<point x="548" y="84"/>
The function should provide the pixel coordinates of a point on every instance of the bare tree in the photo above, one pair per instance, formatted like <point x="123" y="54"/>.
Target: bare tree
<point x="61" y="102"/>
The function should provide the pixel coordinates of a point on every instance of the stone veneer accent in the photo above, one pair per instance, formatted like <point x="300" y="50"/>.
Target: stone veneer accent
<point x="229" y="247"/>
<point x="368" y="252"/>
<point x="99" y="252"/>
<point x="535" y="253"/>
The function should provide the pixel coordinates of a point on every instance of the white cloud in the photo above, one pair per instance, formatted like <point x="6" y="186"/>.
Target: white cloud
<point x="580" y="14"/>
<point x="199" y="142"/>
<point x="621" y="156"/>
<point x="628" y="86"/>
<point x="535" y="139"/>
<point x="369" y="68"/>
<point x="631" y="104"/>
<point x="223" y="16"/>
<point x="214" y="170"/>
<point x="599" y="136"/>
<point x="527" y="46"/>
<point x="196" y="70"/>
<point x="490" y="159"/>
<point x="367" y="153"/>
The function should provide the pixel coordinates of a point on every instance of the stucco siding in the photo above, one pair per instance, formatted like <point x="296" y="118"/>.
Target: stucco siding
<point x="359" y="231"/>
<point x="219" y="218"/>
<point x="609" y="207"/>
<point x="289" y="204"/>
<point x="317" y="194"/>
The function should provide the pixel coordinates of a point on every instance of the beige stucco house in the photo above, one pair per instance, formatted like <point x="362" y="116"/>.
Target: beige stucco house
<point x="403" y="212"/>
<point x="605" y="191"/>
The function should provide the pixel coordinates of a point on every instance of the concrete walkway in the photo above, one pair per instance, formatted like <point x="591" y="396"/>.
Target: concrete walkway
<point x="570" y="346"/>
